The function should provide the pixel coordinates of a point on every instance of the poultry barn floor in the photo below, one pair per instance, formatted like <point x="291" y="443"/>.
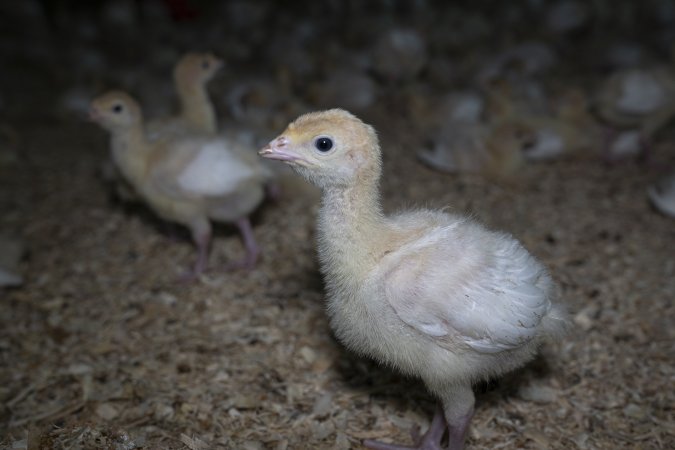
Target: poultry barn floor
<point x="102" y="348"/>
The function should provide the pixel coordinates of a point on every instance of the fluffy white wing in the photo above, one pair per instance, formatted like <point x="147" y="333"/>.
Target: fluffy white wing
<point x="484" y="291"/>
<point x="641" y="93"/>
<point x="214" y="171"/>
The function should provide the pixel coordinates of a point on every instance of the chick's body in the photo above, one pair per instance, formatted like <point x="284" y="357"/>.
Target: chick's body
<point x="187" y="180"/>
<point x="427" y="317"/>
<point x="637" y="99"/>
<point x="433" y="294"/>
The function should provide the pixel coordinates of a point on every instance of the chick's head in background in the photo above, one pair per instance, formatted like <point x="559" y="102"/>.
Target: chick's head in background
<point x="196" y="69"/>
<point x="115" y="111"/>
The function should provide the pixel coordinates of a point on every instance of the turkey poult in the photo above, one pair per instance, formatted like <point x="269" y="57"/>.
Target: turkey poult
<point x="639" y="100"/>
<point x="432" y="294"/>
<point x="188" y="180"/>
<point x="197" y="114"/>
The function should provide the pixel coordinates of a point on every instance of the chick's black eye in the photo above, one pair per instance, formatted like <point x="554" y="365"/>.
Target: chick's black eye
<point x="205" y="64"/>
<point x="117" y="109"/>
<point x="323" y="144"/>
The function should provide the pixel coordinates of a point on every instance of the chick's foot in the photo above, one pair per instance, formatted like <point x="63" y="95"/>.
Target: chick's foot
<point x="430" y="441"/>
<point x="252" y="248"/>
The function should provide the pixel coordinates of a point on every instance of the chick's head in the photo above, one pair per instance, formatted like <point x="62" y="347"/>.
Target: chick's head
<point x="329" y="148"/>
<point x="197" y="68"/>
<point x="115" y="111"/>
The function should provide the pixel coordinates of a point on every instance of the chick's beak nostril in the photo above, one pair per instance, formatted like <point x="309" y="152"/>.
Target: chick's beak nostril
<point x="280" y="142"/>
<point x="279" y="149"/>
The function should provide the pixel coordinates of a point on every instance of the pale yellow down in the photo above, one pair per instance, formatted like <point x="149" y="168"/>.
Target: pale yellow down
<point x="197" y="113"/>
<point x="433" y="294"/>
<point x="187" y="180"/>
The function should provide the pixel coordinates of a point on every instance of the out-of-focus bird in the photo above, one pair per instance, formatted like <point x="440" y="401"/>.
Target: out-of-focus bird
<point x="189" y="180"/>
<point x="550" y="126"/>
<point x="568" y="129"/>
<point x="197" y="114"/>
<point x="662" y="195"/>
<point x="469" y="147"/>
<point x="461" y="142"/>
<point x="435" y="295"/>
<point x="638" y="99"/>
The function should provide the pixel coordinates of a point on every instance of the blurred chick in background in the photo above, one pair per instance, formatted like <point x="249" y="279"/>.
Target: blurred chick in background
<point x="197" y="114"/>
<point x="639" y="101"/>
<point x="189" y="180"/>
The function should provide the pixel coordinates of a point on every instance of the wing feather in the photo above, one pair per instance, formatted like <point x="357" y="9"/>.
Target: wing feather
<point x="487" y="291"/>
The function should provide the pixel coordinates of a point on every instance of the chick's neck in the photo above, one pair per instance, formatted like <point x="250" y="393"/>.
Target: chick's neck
<point x="196" y="107"/>
<point x="130" y="152"/>
<point x="351" y="228"/>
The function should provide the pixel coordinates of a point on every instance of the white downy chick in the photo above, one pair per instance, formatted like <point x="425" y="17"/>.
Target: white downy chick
<point x="459" y="136"/>
<point x="493" y="150"/>
<point x="629" y="97"/>
<point x="549" y="126"/>
<point x="432" y="294"/>
<point x="637" y="99"/>
<point x="187" y="180"/>
<point x="569" y="129"/>
<point x="197" y="115"/>
<point x="662" y="195"/>
<point x="463" y="142"/>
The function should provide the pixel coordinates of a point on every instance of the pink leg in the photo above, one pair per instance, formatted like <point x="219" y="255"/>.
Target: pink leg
<point x="273" y="191"/>
<point x="430" y="441"/>
<point x="252" y="249"/>
<point x="457" y="432"/>
<point x="458" y="417"/>
<point x="201" y="235"/>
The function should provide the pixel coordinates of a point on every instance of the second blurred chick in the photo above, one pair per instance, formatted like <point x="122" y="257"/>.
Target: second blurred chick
<point x="188" y="180"/>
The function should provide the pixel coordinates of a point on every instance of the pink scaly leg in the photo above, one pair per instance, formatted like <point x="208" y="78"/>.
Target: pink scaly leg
<point x="457" y="432"/>
<point x="459" y="405"/>
<point x="252" y="249"/>
<point x="430" y="441"/>
<point x="201" y="235"/>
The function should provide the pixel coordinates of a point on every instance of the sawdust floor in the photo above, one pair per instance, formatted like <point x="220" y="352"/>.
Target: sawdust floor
<point x="101" y="348"/>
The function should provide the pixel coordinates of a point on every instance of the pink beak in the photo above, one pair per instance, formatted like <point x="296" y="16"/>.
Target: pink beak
<point x="278" y="149"/>
<point x="94" y="115"/>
